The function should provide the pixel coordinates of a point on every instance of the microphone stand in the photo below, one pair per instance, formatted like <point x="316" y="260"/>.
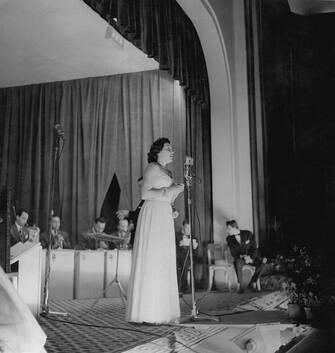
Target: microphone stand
<point x="45" y="306"/>
<point x="194" y="316"/>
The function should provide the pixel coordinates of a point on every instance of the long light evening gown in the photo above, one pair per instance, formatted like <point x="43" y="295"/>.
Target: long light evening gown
<point x="19" y="331"/>
<point x="153" y="290"/>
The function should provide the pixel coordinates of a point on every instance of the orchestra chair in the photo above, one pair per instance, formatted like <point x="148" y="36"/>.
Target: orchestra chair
<point x="217" y="262"/>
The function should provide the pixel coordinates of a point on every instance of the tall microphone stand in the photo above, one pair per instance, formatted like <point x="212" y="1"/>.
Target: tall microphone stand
<point x="59" y="134"/>
<point x="194" y="316"/>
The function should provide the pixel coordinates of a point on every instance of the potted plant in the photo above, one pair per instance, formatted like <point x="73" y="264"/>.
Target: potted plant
<point x="301" y="284"/>
<point x="324" y="308"/>
<point x="295" y="309"/>
<point x="311" y="302"/>
<point x="309" y="283"/>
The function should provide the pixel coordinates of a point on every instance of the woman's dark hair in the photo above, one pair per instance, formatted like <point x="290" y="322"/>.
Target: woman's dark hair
<point x="155" y="148"/>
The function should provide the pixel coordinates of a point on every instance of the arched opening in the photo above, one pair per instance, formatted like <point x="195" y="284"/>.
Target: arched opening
<point x="231" y="170"/>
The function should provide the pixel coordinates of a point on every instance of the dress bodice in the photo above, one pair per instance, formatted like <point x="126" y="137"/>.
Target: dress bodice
<point x="159" y="180"/>
<point x="162" y="180"/>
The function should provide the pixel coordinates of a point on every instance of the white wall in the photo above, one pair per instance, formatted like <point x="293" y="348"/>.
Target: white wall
<point x="220" y="26"/>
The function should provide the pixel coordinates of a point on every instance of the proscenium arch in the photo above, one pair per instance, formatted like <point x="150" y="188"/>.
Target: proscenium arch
<point x="231" y="170"/>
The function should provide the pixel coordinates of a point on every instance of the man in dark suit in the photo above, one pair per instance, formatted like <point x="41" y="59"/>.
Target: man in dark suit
<point x="244" y="251"/>
<point x="59" y="238"/>
<point x="18" y="231"/>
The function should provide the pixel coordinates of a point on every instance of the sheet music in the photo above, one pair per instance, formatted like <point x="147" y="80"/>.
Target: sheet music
<point x="19" y="248"/>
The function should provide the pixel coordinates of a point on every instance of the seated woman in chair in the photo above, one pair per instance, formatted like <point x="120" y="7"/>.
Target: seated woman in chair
<point x="244" y="251"/>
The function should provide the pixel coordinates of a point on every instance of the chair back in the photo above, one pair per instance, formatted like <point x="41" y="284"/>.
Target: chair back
<point x="210" y="253"/>
<point x="227" y="255"/>
<point x="216" y="254"/>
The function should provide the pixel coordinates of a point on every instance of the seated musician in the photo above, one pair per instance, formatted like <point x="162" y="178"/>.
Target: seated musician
<point x="183" y="259"/>
<point x="123" y="231"/>
<point x="90" y="238"/>
<point x="18" y="231"/>
<point x="59" y="238"/>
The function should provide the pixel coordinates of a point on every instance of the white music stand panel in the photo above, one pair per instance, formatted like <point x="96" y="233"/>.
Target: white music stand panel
<point x="61" y="284"/>
<point x="29" y="275"/>
<point x="123" y="271"/>
<point x="89" y="274"/>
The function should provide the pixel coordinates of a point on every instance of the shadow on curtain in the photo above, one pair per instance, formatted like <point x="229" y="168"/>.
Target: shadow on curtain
<point x="109" y="123"/>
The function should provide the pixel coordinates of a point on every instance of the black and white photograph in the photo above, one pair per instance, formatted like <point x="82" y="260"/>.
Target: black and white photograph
<point x="167" y="176"/>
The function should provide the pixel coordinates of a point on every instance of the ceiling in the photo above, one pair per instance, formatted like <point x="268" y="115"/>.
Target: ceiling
<point x="57" y="40"/>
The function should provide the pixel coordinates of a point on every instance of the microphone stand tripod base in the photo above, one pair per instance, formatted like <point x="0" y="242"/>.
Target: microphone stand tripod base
<point x="116" y="280"/>
<point x="121" y="290"/>
<point x="46" y="312"/>
<point x="194" y="317"/>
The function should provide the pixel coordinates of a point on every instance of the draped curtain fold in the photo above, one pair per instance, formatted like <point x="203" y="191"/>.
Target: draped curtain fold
<point x="197" y="132"/>
<point x="28" y="115"/>
<point x="162" y="30"/>
<point x="109" y="123"/>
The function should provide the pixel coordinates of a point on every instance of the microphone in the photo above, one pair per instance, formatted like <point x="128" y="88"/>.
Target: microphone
<point x="187" y="170"/>
<point x="59" y="131"/>
<point x="188" y="160"/>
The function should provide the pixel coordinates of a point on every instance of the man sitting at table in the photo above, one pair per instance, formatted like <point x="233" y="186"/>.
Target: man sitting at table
<point x="90" y="240"/>
<point x="18" y="231"/>
<point x="59" y="238"/>
<point x="123" y="231"/>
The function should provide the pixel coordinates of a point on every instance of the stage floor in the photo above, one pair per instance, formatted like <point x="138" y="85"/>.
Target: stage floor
<point x="99" y="326"/>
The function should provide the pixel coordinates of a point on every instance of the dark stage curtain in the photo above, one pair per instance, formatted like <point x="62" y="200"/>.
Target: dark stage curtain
<point x="298" y="77"/>
<point x="198" y="131"/>
<point x="109" y="125"/>
<point x="162" y="30"/>
<point x="27" y="117"/>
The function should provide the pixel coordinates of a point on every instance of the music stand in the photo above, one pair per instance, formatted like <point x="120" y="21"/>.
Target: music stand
<point x="110" y="238"/>
<point x="116" y="280"/>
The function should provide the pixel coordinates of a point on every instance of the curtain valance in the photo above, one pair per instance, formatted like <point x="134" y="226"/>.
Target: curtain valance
<point x="162" y="30"/>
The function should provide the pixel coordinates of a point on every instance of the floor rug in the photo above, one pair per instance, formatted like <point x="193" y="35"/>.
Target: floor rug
<point x="99" y="326"/>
